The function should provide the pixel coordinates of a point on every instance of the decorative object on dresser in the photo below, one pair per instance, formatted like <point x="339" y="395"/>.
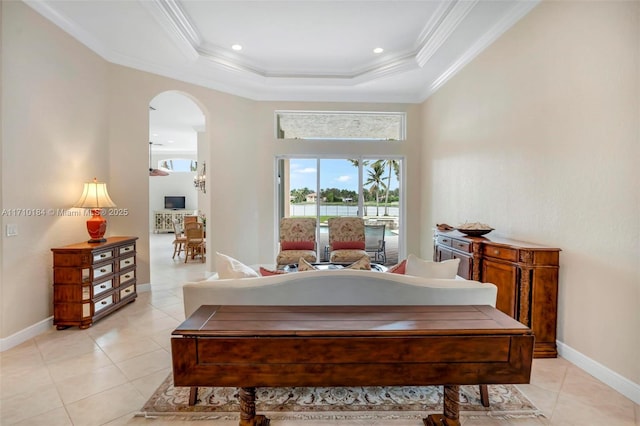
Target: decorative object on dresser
<point x="526" y="275"/>
<point x="95" y="197"/>
<point x="91" y="280"/>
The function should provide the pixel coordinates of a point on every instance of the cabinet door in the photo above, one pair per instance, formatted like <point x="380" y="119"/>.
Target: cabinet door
<point x="465" y="268"/>
<point x="505" y="277"/>
<point x="443" y="253"/>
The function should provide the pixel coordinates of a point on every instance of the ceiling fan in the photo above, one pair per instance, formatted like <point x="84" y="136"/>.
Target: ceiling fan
<point x="152" y="171"/>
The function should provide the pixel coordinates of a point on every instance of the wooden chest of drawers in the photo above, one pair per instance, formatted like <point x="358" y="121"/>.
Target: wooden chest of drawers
<point x="91" y="280"/>
<point x="526" y="276"/>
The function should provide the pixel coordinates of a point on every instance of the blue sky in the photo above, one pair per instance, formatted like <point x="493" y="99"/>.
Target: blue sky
<point x="335" y="174"/>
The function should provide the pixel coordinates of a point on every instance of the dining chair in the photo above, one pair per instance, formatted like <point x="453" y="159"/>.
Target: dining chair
<point x="195" y="245"/>
<point x="179" y="239"/>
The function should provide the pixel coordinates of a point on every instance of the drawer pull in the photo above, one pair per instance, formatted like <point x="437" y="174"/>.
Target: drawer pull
<point x="103" y="286"/>
<point x="103" y="255"/>
<point x="496" y="252"/>
<point x="103" y="270"/>
<point x="104" y="302"/>
<point x="126" y="262"/>
<point x="128" y="290"/>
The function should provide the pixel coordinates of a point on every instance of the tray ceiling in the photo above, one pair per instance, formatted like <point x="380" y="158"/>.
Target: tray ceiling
<point x="313" y="50"/>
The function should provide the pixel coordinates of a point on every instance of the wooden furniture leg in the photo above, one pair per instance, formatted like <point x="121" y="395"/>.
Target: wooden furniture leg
<point x="451" y="410"/>
<point x="193" y="395"/>
<point x="248" y="409"/>
<point x="484" y="395"/>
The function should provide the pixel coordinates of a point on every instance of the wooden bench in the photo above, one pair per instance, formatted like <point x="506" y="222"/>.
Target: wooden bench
<point x="277" y="346"/>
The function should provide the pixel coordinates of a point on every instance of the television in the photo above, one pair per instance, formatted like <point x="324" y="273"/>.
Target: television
<point x="174" y="202"/>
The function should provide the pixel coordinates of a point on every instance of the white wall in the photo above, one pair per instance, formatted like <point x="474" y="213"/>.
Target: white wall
<point x="540" y="138"/>
<point x="54" y="137"/>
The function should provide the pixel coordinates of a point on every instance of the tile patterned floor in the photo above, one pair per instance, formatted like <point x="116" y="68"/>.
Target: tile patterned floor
<point x="103" y="375"/>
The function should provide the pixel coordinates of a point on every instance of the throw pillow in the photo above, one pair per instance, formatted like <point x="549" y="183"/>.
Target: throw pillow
<point x="348" y="245"/>
<point x="427" y="269"/>
<point x="268" y="272"/>
<point x="364" y="264"/>
<point x="297" y="245"/>
<point x="398" y="268"/>
<point x="228" y="267"/>
<point x="303" y="265"/>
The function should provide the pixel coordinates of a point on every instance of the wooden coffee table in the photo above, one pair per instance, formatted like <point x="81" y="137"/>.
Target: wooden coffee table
<point x="277" y="346"/>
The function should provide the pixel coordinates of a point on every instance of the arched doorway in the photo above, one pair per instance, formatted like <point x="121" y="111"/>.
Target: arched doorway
<point x="177" y="156"/>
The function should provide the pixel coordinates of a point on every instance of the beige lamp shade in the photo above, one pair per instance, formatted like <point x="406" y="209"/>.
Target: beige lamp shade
<point x="94" y="196"/>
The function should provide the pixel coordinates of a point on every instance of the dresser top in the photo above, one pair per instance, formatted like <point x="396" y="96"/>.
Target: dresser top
<point x="496" y="240"/>
<point x="111" y="241"/>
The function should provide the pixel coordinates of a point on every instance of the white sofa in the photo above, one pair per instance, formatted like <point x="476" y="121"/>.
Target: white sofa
<point x="337" y="287"/>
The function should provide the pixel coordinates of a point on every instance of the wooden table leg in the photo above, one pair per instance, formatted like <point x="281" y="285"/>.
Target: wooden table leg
<point x="451" y="410"/>
<point x="248" y="409"/>
<point x="193" y="395"/>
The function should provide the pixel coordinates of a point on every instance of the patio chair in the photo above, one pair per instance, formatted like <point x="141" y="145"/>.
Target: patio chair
<point x="374" y="242"/>
<point x="297" y="240"/>
<point x="346" y="239"/>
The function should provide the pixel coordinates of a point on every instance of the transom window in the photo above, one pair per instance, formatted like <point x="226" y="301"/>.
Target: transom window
<point x="337" y="125"/>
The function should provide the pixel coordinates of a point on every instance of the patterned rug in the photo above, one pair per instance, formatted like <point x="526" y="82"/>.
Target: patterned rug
<point x="340" y="403"/>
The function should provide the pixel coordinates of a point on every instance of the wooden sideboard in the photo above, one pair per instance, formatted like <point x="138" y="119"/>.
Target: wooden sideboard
<point x="526" y="276"/>
<point x="91" y="280"/>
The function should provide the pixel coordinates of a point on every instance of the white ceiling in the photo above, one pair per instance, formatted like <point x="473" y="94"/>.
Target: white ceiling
<point x="315" y="50"/>
<point x="302" y="50"/>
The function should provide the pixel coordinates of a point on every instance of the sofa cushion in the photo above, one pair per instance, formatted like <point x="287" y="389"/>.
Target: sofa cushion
<point x="447" y="269"/>
<point x="228" y="267"/>
<point x="399" y="268"/>
<point x="268" y="272"/>
<point x="297" y="245"/>
<point x="364" y="264"/>
<point x="303" y="265"/>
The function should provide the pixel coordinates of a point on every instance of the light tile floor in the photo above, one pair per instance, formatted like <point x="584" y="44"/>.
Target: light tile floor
<point x="103" y="375"/>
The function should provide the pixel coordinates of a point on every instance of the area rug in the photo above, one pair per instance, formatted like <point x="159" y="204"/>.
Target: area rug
<point x="339" y="403"/>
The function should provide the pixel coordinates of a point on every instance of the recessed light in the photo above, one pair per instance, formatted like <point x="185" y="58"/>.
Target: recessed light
<point x="378" y="50"/>
<point x="170" y="141"/>
<point x="236" y="47"/>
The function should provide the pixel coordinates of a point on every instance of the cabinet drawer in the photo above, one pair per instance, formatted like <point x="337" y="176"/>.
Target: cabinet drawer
<point x="128" y="291"/>
<point x="500" y="253"/>
<point x="125" y="278"/>
<point x="127" y="249"/>
<point x="444" y="241"/>
<point x="129" y="261"/>
<point x="102" y="270"/>
<point x="104" y="255"/>
<point x="103" y="304"/>
<point x="101" y="287"/>
<point x="461" y="245"/>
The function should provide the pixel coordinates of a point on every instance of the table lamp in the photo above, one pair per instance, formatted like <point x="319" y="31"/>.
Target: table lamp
<point x="95" y="197"/>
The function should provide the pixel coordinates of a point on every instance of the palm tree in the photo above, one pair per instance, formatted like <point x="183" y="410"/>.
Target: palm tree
<point x="376" y="181"/>
<point x="390" y="164"/>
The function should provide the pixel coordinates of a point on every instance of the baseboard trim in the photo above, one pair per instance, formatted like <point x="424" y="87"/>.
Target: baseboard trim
<point x="26" y="334"/>
<point x="621" y="384"/>
<point x="43" y="326"/>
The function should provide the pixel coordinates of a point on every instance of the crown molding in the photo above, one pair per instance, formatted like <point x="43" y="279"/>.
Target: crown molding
<point x="177" y="25"/>
<point x="69" y="26"/>
<point x="519" y="11"/>
<point x="443" y="29"/>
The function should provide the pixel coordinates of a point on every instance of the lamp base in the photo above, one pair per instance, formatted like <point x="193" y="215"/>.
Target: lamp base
<point x="101" y="240"/>
<point x="97" y="226"/>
